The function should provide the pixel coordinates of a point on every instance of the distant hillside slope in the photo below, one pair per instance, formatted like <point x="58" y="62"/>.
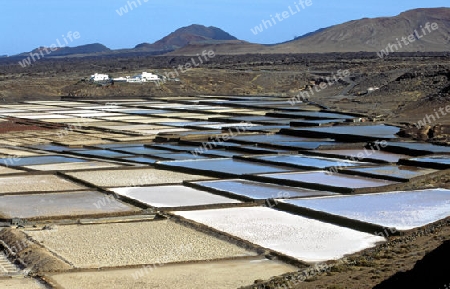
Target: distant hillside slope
<point x="377" y="33"/>
<point x="229" y="47"/>
<point x="65" y="51"/>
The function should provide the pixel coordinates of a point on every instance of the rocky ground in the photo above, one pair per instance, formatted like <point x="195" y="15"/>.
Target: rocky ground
<point x="403" y="88"/>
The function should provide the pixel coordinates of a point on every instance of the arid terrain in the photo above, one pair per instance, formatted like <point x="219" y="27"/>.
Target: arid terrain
<point x="401" y="89"/>
<point x="405" y="88"/>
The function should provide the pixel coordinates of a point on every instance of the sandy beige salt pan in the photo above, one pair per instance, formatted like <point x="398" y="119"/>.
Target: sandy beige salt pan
<point x="140" y="177"/>
<point x="17" y="153"/>
<point x="61" y="204"/>
<point x="121" y="244"/>
<point x="36" y="183"/>
<point x="219" y="275"/>
<point x="5" y="171"/>
<point x="72" y="166"/>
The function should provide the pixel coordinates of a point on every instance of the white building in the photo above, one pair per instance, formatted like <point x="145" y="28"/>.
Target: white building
<point x="121" y="79"/>
<point x="99" y="77"/>
<point x="144" y="77"/>
<point x="150" y="76"/>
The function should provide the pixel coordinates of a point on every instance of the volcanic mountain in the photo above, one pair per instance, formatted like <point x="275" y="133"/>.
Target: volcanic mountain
<point x="193" y="34"/>
<point x="375" y="34"/>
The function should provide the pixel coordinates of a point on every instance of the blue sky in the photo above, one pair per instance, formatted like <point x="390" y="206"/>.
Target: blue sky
<point x="27" y="24"/>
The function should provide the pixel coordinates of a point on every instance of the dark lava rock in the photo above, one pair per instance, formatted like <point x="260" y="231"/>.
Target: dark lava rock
<point x="430" y="272"/>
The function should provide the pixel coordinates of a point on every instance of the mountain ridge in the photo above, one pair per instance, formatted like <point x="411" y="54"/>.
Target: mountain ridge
<point x="375" y="34"/>
<point x="363" y="35"/>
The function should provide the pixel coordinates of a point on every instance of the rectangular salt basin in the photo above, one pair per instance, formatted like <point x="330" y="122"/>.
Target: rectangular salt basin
<point x="315" y="122"/>
<point x="442" y="159"/>
<point x="215" y="274"/>
<point x="154" y="120"/>
<point x="306" y="162"/>
<point x="51" y="148"/>
<point x="360" y="132"/>
<point x="142" y="160"/>
<point x="72" y="111"/>
<point x="271" y="138"/>
<point x="135" y="177"/>
<point x="61" y="204"/>
<point x="130" y="127"/>
<point x="102" y="153"/>
<point x="124" y="244"/>
<point x="401" y="173"/>
<point x="225" y="166"/>
<point x="72" y="166"/>
<point x="6" y="171"/>
<point x="330" y="180"/>
<point x="118" y="145"/>
<point x="305" y="239"/>
<point x="259" y="191"/>
<point x="304" y="145"/>
<point x="239" y="126"/>
<point x="163" y="131"/>
<point x="180" y="156"/>
<point x="401" y="210"/>
<point x="253" y="119"/>
<point x="35" y="183"/>
<point x="172" y="196"/>
<point x="267" y="128"/>
<point x="40" y="160"/>
<point x="43" y="116"/>
<point x="218" y="153"/>
<point x="434" y="161"/>
<point x="417" y="148"/>
<point x="374" y="155"/>
<point x="312" y="115"/>
<point x="95" y="114"/>
<point x="18" y="152"/>
<point x="172" y="147"/>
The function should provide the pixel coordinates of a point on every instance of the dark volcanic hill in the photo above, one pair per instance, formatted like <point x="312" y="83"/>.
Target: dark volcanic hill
<point x="374" y="34"/>
<point x="66" y="51"/>
<point x="193" y="34"/>
<point x="190" y="35"/>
